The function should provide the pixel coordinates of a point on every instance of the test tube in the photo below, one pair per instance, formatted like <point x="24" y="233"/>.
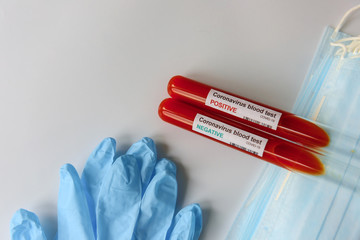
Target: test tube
<point x="241" y="137"/>
<point x="249" y="112"/>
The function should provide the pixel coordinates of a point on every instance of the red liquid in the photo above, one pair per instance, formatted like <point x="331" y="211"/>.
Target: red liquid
<point x="277" y="151"/>
<point x="289" y="127"/>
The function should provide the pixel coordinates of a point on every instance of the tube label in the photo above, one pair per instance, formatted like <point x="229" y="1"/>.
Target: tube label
<point x="228" y="134"/>
<point x="243" y="109"/>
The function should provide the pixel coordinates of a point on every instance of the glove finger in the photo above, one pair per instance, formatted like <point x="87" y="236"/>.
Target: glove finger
<point x="158" y="203"/>
<point x="73" y="214"/>
<point x="26" y="225"/>
<point x="119" y="200"/>
<point x="187" y="224"/>
<point x="145" y="153"/>
<point x="97" y="165"/>
<point x="95" y="168"/>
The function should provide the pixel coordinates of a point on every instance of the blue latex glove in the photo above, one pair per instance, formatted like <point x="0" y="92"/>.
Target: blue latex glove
<point x="132" y="197"/>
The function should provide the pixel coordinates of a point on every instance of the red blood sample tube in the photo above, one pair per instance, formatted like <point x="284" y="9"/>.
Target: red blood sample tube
<point x="241" y="137"/>
<point x="249" y="112"/>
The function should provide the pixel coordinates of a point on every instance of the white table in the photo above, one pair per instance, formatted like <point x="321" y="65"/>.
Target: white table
<point x="75" y="72"/>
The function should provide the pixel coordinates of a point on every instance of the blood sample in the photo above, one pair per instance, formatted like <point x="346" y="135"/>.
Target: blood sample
<point x="241" y="137"/>
<point x="255" y="114"/>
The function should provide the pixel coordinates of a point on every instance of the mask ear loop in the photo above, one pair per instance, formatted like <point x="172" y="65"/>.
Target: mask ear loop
<point x="342" y="21"/>
<point x="354" y="46"/>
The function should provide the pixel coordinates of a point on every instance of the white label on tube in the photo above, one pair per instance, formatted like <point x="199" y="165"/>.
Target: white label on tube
<point x="228" y="134"/>
<point x="243" y="109"/>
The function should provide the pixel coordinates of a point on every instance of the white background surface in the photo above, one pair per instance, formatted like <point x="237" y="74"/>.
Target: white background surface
<point x="75" y="72"/>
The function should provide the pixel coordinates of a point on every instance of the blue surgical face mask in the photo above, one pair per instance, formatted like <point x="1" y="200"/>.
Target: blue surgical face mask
<point x="284" y="205"/>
